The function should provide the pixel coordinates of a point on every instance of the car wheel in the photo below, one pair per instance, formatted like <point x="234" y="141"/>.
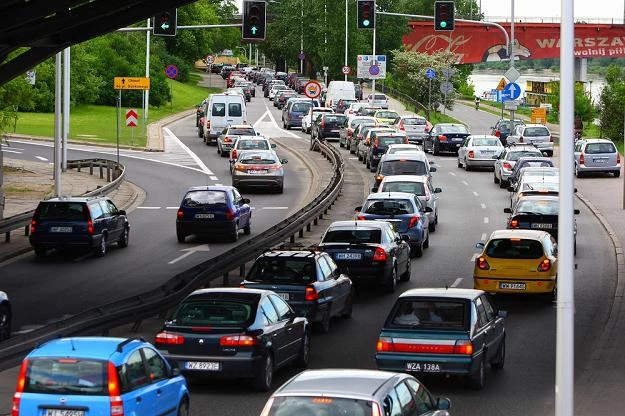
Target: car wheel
<point x="199" y="133"/>
<point x="459" y="163"/>
<point x="349" y="305"/>
<point x="323" y="326"/>
<point x="124" y="238"/>
<point x="432" y="225"/>
<point x="435" y="149"/>
<point x="367" y="164"/>
<point x="303" y="358"/>
<point x="466" y="166"/>
<point x="100" y="251"/>
<point x="5" y="323"/>
<point x="578" y="173"/>
<point x="183" y="408"/>
<point x="280" y="189"/>
<point x="263" y="379"/>
<point x="418" y="250"/>
<point x="426" y="243"/>
<point x="391" y="282"/>
<point x="40" y="251"/>
<point x="180" y="236"/>
<point x="503" y="184"/>
<point x="617" y="174"/>
<point x="247" y="230"/>
<point x="218" y="148"/>
<point x="234" y="236"/>
<point x="478" y="378"/>
<point x="500" y="358"/>
<point x="406" y="275"/>
<point x="495" y="179"/>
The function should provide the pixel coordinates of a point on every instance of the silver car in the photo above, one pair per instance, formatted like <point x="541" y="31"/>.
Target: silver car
<point x="535" y="134"/>
<point x="378" y="100"/>
<point x="230" y="134"/>
<point x="506" y="161"/>
<point x="258" y="169"/>
<point x="596" y="155"/>
<point x="479" y="151"/>
<point x="416" y="127"/>
<point x="354" y="392"/>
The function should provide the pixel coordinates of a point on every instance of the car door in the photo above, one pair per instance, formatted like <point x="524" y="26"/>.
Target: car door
<point x="166" y="388"/>
<point x="497" y="324"/>
<point x="244" y="210"/>
<point x="339" y="284"/>
<point x="425" y="403"/>
<point x="115" y="221"/>
<point x="294" y="329"/>
<point x="462" y="151"/>
<point x="399" y="248"/>
<point x="326" y="287"/>
<point x="275" y="331"/>
<point x="420" y="207"/>
<point x="139" y="395"/>
<point x="486" y="331"/>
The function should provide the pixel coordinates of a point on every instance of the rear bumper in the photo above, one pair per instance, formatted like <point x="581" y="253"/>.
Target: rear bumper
<point x="230" y="367"/>
<point x="481" y="163"/>
<point x="449" y="146"/>
<point x="205" y="227"/>
<point x="531" y="285"/>
<point x="258" y="182"/>
<point x="598" y="169"/>
<point x="64" y="241"/>
<point x="447" y="364"/>
<point x="367" y="272"/>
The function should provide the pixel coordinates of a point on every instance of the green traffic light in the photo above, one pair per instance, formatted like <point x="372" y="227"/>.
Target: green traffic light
<point x="365" y="22"/>
<point x="443" y="24"/>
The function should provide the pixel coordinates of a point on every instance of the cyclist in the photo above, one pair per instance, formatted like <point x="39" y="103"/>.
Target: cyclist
<point x="477" y="103"/>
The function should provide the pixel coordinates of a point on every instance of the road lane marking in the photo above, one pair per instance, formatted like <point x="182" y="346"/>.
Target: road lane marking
<point x="465" y="183"/>
<point x="11" y="151"/>
<point x="475" y="193"/>
<point x="273" y="120"/>
<point x="485" y="220"/>
<point x="452" y="174"/>
<point x="172" y="207"/>
<point x="213" y="178"/>
<point x="483" y="206"/>
<point x="456" y="282"/>
<point x="184" y="147"/>
<point x="483" y="238"/>
<point x="43" y="159"/>
<point x="275" y="208"/>
<point x="189" y="251"/>
<point x="149" y="208"/>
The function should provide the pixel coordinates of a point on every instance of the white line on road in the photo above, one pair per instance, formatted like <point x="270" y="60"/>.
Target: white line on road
<point x="260" y="118"/>
<point x="273" y="120"/>
<point x="483" y="238"/>
<point x="465" y="183"/>
<point x="177" y="259"/>
<point x="189" y="152"/>
<point x="172" y="207"/>
<point x="11" y="151"/>
<point x="213" y="178"/>
<point x="43" y="159"/>
<point x="452" y="174"/>
<point x="456" y="282"/>
<point x="149" y="208"/>
<point x="475" y="193"/>
<point x="189" y="251"/>
<point x="275" y="208"/>
<point x="483" y="206"/>
<point x="485" y="220"/>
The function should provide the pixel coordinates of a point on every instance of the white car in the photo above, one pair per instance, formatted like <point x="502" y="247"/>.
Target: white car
<point x="479" y="151"/>
<point x="378" y="100"/>
<point x="312" y="114"/>
<point x="274" y="90"/>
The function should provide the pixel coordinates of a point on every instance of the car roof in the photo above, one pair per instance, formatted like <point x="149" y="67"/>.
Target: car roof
<point x="260" y="152"/>
<point x="390" y="195"/>
<point x="290" y="253"/>
<point x="230" y="291"/>
<point x="534" y="158"/>
<point x="211" y="188"/>
<point x="536" y="125"/>
<point x="76" y="198"/>
<point x="412" y="116"/>
<point x="597" y="140"/>
<point x="406" y="178"/>
<point x="359" y="224"/>
<point x="416" y="155"/>
<point x="442" y="292"/>
<point x="101" y="348"/>
<point x="541" y="197"/>
<point x="382" y="110"/>
<point x="484" y="136"/>
<point x="240" y="126"/>
<point x="518" y="233"/>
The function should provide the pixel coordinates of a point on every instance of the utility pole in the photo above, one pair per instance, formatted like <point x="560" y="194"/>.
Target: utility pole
<point x="58" y="82"/>
<point x="66" y="95"/>
<point x="346" y="31"/>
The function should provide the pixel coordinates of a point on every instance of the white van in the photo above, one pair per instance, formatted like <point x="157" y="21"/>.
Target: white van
<point x="222" y="110"/>
<point x="340" y="90"/>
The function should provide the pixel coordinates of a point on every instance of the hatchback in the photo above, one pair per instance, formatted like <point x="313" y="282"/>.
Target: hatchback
<point x="378" y="143"/>
<point x="535" y="134"/>
<point x="445" y="137"/>
<point x="248" y="143"/>
<point x="446" y="331"/>
<point x="528" y="161"/>
<point x="229" y="135"/>
<point x="479" y="152"/>
<point x="352" y="392"/>
<point x="596" y="155"/>
<point x="327" y="125"/>
<point x="311" y="115"/>
<point x="508" y="158"/>
<point x="415" y="127"/>
<point x="503" y="127"/>
<point x="386" y="116"/>
<point x="210" y="210"/>
<point x="406" y="163"/>
<point x="234" y="333"/>
<point x="379" y="100"/>
<point x="259" y="169"/>
<point x="83" y="376"/>
<point x="348" y="127"/>
<point x="78" y="222"/>
<point x="293" y="112"/>
<point x="364" y="139"/>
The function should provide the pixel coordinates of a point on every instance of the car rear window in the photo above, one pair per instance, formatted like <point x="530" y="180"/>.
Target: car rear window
<point x="219" y="110"/>
<point x="61" y="211"/>
<point x="403" y="167"/>
<point x="430" y="314"/>
<point x="535" y="164"/>
<point x="417" y="188"/>
<point x="258" y="159"/>
<point x="536" y="131"/>
<point x="540" y="186"/>
<point x="380" y="97"/>
<point x="514" y="248"/>
<point x="356" y="122"/>
<point x="214" y="312"/>
<point x="66" y="376"/>
<point x="388" y="207"/>
<point x="594" y="148"/>
<point x="514" y="156"/>
<point x="235" y="110"/>
<point x="200" y="197"/>
<point x="454" y="129"/>
<point x="334" y="118"/>
<point x="353" y="236"/>
<point x="486" y="142"/>
<point x="242" y="132"/>
<point x="283" y="270"/>
<point x="252" y="145"/>
<point x="314" y="405"/>
<point x="300" y="107"/>
<point x="542" y="207"/>
<point x="386" y="140"/>
<point x="387" y="114"/>
<point x="414" y="121"/>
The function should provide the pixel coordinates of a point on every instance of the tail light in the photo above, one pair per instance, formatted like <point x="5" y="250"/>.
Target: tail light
<point x="311" y="294"/>
<point x="237" y="341"/>
<point x="229" y="214"/>
<point x="618" y="158"/>
<point x="401" y="125"/>
<point x="464" y="347"/>
<point x="384" y="345"/>
<point x="234" y="154"/>
<point x="581" y="159"/>
<point x="471" y="154"/>
<point x="375" y="409"/>
<point x="380" y="254"/>
<point x="481" y="263"/>
<point x="208" y="124"/>
<point x="514" y="224"/>
<point x="551" y="138"/>
<point x="376" y="142"/>
<point x="379" y="178"/>
<point x="442" y="138"/>
<point x="180" y="214"/>
<point x="521" y="139"/>
<point x="168" y="338"/>
<point x="117" y="405"/>
<point x="361" y="218"/>
<point x="507" y="166"/>
<point x="497" y="133"/>
<point x="228" y="140"/>
<point x="544" y="265"/>
<point x="406" y="140"/>
<point x="19" y="389"/>
<point x="90" y="229"/>
<point x="33" y="226"/>
<point x="323" y="122"/>
<point x="239" y="167"/>
<point x="349" y="132"/>
<point x="274" y="167"/>
<point x="413" y="221"/>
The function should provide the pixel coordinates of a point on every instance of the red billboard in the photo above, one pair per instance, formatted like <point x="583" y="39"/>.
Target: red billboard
<point x="474" y="43"/>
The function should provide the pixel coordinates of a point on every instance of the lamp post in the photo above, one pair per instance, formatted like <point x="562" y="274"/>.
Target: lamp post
<point x="244" y="51"/>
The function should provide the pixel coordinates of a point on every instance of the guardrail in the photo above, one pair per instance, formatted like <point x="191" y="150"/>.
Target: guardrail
<point x="169" y="294"/>
<point x="113" y="171"/>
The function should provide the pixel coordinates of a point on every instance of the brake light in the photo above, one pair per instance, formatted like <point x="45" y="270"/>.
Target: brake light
<point x="521" y="139"/>
<point x="406" y="140"/>
<point x="442" y="138"/>
<point x="413" y="221"/>
<point x="33" y="226"/>
<point x="311" y="294"/>
<point x="380" y="254"/>
<point x="464" y="347"/>
<point x="229" y="214"/>
<point x="581" y="159"/>
<point x="507" y="166"/>
<point x="379" y="178"/>
<point x="117" y="405"/>
<point x="514" y="224"/>
<point x="497" y="133"/>
<point x="90" y="228"/>
<point x="618" y="158"/>
<point x="227" y="140"/>
<point x="323" y="122"/>
<point x="361" y="218"/>
<point x="544" y="265"/>
<point x="208" y="124"/>
<point x="168" y="338"/>
<point x="387" y="345"/>
<point x="350" y="131"/>
<point x="481" y="263"/>
<point x="401" y="125"/>
<point x="237" y="341"/>
<point x="384" y="345"/>
<point x="375" y="409"/>
<point x="234" y="154"/>
<point x="19" y="389"/>
<point x="471" y="154"/>
<point x="180" y="214"/>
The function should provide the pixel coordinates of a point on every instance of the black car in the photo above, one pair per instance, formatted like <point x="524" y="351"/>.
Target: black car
<point x="216" y="68"/>
<point x="199" y="112"/>
<point x="226" y="70"/>
<point x="379" y="144"/>
<point x="445" y="137"/>
<point x="5" y="316"/>
<point x="234" y="333"/>
<point x="503" y="128"/>
<point x="309" y="281"/>
<point x="78" y="222"/>
<point x="327" y="125"/>
<point x="368" y="251"/>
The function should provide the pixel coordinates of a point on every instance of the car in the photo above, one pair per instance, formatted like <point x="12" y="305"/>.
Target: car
<point x="78" y="223"/>
<point x="273" y="90"/>
<point x="528" y="161"/>
<point x="343" y="104"/>
<point x="281" y="97"/>
<point x="357" y="136"/>
<point x="99" y="376"/>
<point x="386" y="116"/>
<point x="536" y="134"/>
<point x="406" y="163"/>
<point x="401" y="148"/>
<point x="220" y="111"/>
<point x="226" y="70"/>
<point x="247" y="87"/>
<point x="352" y="392"/>
<point x="378" y="143"/>
<point x="367" y="110"/>
<point x="517" y="261"/>
<point x="199" y="113"/>
<point x="534" y="184"/>
<point x="213" y="210"/>
<point x="479" y="151"/>
<point x="415" y="127"/>
<point x="369" y="251"/>
<point x="506" y="161"/>
<point x="216" y="68"/>
<point x="312" y="114"/>
<point x="293" y="112"/>
<point x="234" y="333"/>
<point x="326" y="126"/>
<point x="348" y="127"/>
<point x="503" y="127"/>
<point x="340" y="90"/>
<point x="353" y="108"/>
<point x="259" y="169"/>
<point x="310" y="281"/>
<point x="405" y="211"/>
<point x="596" y="155"/>
<point x="364" y="142"/>
<point x="420" y="185"/>
<point x="6" y="316"/>
<point x="299" y="85"/>
<point x="443" y="332"/>
<point x="378" y="100"/>
<point x="248" y="143"/>
<point x="229" y="135"/>
<point x="445" y="137"/>
<point x="369" y="134"/>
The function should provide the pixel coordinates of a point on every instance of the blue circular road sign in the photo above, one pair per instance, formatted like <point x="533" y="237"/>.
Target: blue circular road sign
<point x="374" y="70"/>
<point x="511" y="91"/>
<point x="171" y="71"/>
<point x="430" y="73"/>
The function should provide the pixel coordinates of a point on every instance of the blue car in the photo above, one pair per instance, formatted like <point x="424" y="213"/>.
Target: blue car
<point x="405" y="211"/>
<point x="213" y="210"/>
<point x="83" y="376"/>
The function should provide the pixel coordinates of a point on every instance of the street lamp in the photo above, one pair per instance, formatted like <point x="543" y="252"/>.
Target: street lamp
<point x="244" y="51"/>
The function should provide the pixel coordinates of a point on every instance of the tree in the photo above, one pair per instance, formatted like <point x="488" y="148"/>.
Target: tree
<point x="612" y="104"/>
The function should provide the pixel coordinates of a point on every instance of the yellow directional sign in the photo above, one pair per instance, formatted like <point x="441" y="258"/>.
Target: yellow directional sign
<point x="131" y="83"/>
<point x="502" y="84"/>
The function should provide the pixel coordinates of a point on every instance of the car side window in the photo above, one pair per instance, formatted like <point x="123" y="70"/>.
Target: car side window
<point x="418" y="203"/>
<point x="326" y="272"/>
<point x="283" y="309"/>
<point x="481" y="313"/>
<point x="334" y="269"/>
<point x="422" y="397"/>
<point x="135" y="371"/>
<point x="488" y="308"/>
<point x="391" y="405"/>
<point x="109" y="207"/>
<point x="96" y="210"/>
<point x="236" y="197"/>
<point x="406" y="399"/>
<point x="270" y="316"/>
<point x="157" y="369"/>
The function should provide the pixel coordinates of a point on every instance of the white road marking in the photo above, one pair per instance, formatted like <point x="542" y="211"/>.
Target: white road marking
<point x="219" y="184"/>
<point x="456" y="282"/>
<point x="465" y="183"/>
<point x="475" y="193"/>
<point x="260" y="118"/>
<point x="195" y="157"/>
<point x="149" y="208"/>
<point x="275" y="208"/>
<point x="213" y="178"/>
<point x="11" y="151"/>
<point x="172" y="207"/>
<point x="483" y="238"/>
<point x="273" y="120"/>
<point x="483" y="206"/>
<point x="485" y="220"/>
<point x="189" y="251"/>
<point x="43" y="159"/>
<point x="474" y="256"/>
<point x="452" y="174"/>
<point x="352" y="158"/>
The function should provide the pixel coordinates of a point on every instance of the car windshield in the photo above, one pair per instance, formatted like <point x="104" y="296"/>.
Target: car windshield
<point x="403" y="167"/>
<point x="66" y="376"/>
<point x="252" y="145"/>
<point x="595" y="148"/>
<point x="417" y="188"/>
<point x="454" y="128"/>
<point x="201" y="197"/>
<point x="388" y="207"/>
<point x="514" y="156"/>
<point x="314" y="405"/>
<point x="485" y="141"/>
<point x="542" y="207"/>
<point x="380" y="97"/>
<point x="514" y="248"/>
<point x="414" y="121"/>
<point x="540" y="186"/>
<point x="283" y="270"/>
<point x="61" y="211"/>
<point x="358" y="121"/>
<point x="430" y="314"/>
<point x="242" y="132"/>
<point x="535" y="164"/>
<point x="535" y="132"/>
<point x="300" y="107"/>
<point x="353" y="236"/>
<point x="213" y="312"/>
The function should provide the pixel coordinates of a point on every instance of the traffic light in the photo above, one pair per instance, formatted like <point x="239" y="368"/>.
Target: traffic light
<point x="444" y="15"/>
<point x="254" y="20"/>
<point x="366" y="14"/>
<point x="165" y="23"/>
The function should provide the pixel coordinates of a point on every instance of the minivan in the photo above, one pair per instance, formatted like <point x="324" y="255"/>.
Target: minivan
<point x="220" y="111"/>
<point x="340" y="90"/>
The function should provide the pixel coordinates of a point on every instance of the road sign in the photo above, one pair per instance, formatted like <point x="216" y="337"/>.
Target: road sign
<point x="131" y="117"/>
<point x="374" y="70"/>
<point x="512" y="74"/>
<point x="301" y="56"/>
<point x="131" y="83"/>
<point x="538" y="116"/>
<point x="511" y="91"/>
<point x="430" y="73"/>
<point x="501" y="85"/>
<point x="446" y="87"/>
<point x="312" y="89"/>
<point x="364" y="62"/>
<point x="210" y="59"/>
<point x="346" y="70"/>
<point x="31" y="77"/>
<point x="171" y="71"/>
<point x="511" y="104"/>
<point x="448" y="72"/>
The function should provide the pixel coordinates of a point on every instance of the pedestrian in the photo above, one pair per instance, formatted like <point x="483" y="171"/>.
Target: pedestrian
<point x="477" y="103"/>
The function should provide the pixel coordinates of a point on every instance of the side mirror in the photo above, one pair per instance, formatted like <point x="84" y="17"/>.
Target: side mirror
<point x="437" y="190"/>
<point x="479" y="245"/>
<point x="273" y="145"/>
<point x="576" y="211"/>
<point x="175" y="372"/>
<point x="123" y="212"/>
<point x="245" y="200"/>
<point x="284" y="161"/>
<point x="429" y="209"/>
<point x="511" y="188"/>
<point x="374" y="190"/>
<point x="507" y="210"/>
<point x="502" y="314"/>
<point x="433" y="169"/>
<point x="358" y="208"/>
<point x="574" y="190"/>
<point x="257" y="133"/>
<point x="430" y="162"/>
<point x="443" y="403"/>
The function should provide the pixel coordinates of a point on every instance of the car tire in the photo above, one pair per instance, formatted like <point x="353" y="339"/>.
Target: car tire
<point x="180" y="236"/>
<point x="199" y="133"/>
<point x="459" y="163"/>
<point x="466" y="166"/>
<point x="100" y="251"/>
<point x="303" y="358"/>
<point x="418" y="251"/>
<point x="478" y="378"/>
<point x="183" y="408"/>
<point x="495" y="179"/>
<point x="280" y="189"/>
<point x="247" y="229"/>
<point x="617" y="174"/>
<point x="234" y="235"/>
<point x="5" y="323"/>
<point x="500" y="358"/>
<point x="503" y="184"/>
<point x="432" y="225"/>
<point x="404" y="277"/>
<point x="367" y="163"/>
<point x="218" y="148"/>
<point x="323" y="326"/>
<point x="40" y="251"/>
<point x="124" y="238"/>
<point x="426" y="243"/>
<point x="391" y="282"/>
<point x="264" y="378"/>
<point x="578" y="173"/>
<point x="435" y="149"/>
<point x="349" y="306"/>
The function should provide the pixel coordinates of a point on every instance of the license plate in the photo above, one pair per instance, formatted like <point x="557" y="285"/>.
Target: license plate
<point x="424" y="367"/>
<point x="284" y="296"/>
<point x="458" y="144"/>
<point x="348" y="256"/>
<point x="202" y="365"/>
<point x="542" y="226"/>
<point x="63" y="412"/>
<point x="257" y="172"/>
<point x="487" y="152"/>
<point x="601" y="160"/>
<point x="513" y="286"/>
<point x="60" y="229"/>
<point x="204" y="216"/>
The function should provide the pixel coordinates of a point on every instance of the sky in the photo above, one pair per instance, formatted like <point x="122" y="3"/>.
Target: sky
<point x="604" y="9"/>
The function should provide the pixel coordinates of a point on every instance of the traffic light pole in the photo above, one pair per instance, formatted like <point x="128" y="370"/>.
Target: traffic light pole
<point x="143" y="29"/>
<point x="374" y="62"/>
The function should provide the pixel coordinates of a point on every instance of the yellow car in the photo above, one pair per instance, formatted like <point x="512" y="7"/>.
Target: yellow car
<point x="386" y="116"/>
<point x="517" y="261"/>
